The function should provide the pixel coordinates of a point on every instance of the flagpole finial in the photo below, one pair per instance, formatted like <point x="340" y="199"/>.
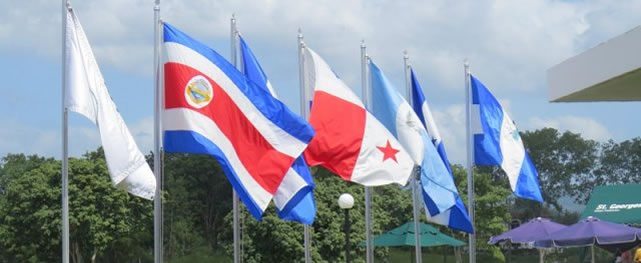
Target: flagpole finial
<point x="466" y="62"/>
<point x="362" y="43"/>
<point x="405" y="55"/>
<point x="300" y="38"/>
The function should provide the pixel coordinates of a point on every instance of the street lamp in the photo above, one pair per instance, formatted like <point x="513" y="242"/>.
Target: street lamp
<point x="345" y="202"/>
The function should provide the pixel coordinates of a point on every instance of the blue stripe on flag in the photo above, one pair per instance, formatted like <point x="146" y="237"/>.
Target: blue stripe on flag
<point x="458" y="216"/>
<point x="301" y="207"/>
<point x="385" y="102"/>
<point x="193" y="142"/>
<point x="251" y="67"/>
<point x="527" y="185"/>
<point x="487" y="145"/>
<point x="418" y="98"/>
<point x="271" y="108"/>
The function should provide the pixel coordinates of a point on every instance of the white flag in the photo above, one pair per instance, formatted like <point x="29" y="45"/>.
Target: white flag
<point x="87" y="94"/>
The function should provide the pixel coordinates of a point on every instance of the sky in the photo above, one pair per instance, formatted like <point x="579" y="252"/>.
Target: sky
<point x="509" y="44"/>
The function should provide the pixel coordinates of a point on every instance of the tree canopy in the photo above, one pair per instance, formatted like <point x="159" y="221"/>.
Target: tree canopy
<point x="109" y="225"/>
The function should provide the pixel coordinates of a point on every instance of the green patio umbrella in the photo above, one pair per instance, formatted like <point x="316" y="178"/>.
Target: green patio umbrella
<point x="404" y="236"/>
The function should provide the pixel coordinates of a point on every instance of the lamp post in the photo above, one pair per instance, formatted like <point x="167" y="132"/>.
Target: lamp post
<point x="345" y="202"/>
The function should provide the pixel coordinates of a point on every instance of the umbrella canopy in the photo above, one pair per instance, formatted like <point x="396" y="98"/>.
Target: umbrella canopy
<point x="534" y="230"/>
<point x="404" y="236"/>
<point x="593" y="231"/>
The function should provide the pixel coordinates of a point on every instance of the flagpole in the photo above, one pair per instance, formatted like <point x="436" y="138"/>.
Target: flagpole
<point x="304" y="111"/>
<point x="369" y="256"/>
<point x="158" y="235"/>
<point x="235" y="199"/>
<point x="470" y="156"/>
<point x="65" y="140"/>
<point x="415" y="177"/>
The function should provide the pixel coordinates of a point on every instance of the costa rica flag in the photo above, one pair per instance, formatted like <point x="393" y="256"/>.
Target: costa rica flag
<point x="212" y="108"/>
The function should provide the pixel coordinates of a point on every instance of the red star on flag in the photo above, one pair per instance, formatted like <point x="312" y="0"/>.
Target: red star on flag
<point x="388" y="152"/>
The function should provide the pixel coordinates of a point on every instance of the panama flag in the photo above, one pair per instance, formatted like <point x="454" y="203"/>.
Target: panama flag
<point x="497" y="142"/>
<point x="212" y="108"/>
<point x="294" y="198"/>
<point x="87" y="94"/>
<point x="349" y="140"/>
<point x="396" y="114"/>
<point x="455" y="217"/>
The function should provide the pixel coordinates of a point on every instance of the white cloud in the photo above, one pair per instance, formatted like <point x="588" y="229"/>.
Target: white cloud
<point x="451" y="125"/>
<point x="587" y="127"/>
<point x="509" y="43"/>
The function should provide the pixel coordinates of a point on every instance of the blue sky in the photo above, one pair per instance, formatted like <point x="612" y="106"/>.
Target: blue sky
<point x="510" y="45"/>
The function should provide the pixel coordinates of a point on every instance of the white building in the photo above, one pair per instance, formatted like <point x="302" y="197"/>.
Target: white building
<point x="610" y="71"/>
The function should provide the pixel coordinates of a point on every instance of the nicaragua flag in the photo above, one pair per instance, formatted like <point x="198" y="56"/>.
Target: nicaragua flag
<point x="398" y="117"/>
<point x="294" y="198"/>
<point x="455" y="217"/>
<point x="212" y="108"/>
<point x="497" y="142"/>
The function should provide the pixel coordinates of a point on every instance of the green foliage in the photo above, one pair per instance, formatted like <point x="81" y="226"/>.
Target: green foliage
<point x="565" y="163"/>
<point x="491" y="192"/>
<point x="109" y="225"/>
<point x="102" y="217"/>
<point x="391" y="206"/>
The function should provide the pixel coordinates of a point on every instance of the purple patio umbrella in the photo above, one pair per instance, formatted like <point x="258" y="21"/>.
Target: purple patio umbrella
<point x="594" y="232"/>
<point x="536" y="229"/>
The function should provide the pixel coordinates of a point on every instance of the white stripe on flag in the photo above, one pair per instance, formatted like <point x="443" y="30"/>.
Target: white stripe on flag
<point x="512" y="150"/>
<point x="277" y="137"/>
<point x="181" y="119"/>
<point x="291" y="184"/>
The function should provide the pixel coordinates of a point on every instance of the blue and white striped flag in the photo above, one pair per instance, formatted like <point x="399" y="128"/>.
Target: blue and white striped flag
<point x="397" y="116"/>
<point x="455" y="217"/>
<point x="497" y="142"/>
<point x="294" y="198"/>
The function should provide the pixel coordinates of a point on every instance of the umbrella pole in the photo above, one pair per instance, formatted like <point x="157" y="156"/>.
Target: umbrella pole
<point x="541" y="255"/>
<point x="592" y="252"/>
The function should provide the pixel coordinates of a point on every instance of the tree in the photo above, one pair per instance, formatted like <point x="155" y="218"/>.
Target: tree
<point x="565" y="163"/>
<point x="620" y="163"/>
<point x="491" y="192"/>
<point x="274" y="240"/>
<point x="102" y="217"/>
<point x="197" y="197"/>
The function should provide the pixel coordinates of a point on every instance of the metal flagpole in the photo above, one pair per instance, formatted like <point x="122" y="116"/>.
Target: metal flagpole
<point x="235" y="199"/>
<point x="470" y="160"/>
<point x="65" y="140"/>
<point x="304" y="111"/>
<point x="369" y="256"/>
<point x="158" y="236"/>
<point x="415" y="175"/>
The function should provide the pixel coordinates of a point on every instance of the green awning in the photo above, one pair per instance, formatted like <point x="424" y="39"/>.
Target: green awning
<point x="615" y="203"/>
<point x="404" y="236"/>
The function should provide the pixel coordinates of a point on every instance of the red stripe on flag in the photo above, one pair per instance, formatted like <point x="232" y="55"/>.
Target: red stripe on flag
<point x="265" y="164"/>
<point x="339" y="127"/>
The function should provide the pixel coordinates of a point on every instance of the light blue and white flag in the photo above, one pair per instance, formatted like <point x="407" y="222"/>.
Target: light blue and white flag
<point x="396" y="115"/>
<point x="294" y="198"/>
<point x="497" y="142"/>
<point x="455" y="217"/>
